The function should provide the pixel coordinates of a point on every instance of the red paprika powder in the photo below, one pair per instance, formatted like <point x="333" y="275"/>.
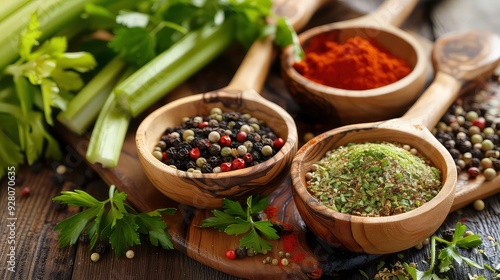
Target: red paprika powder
<point x="356" y="64"/>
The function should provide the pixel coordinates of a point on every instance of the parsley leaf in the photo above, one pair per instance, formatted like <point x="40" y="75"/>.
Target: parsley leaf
<point x="119" y="227"/>
<point x="236" y="219"/>
<point x="448" y="254"/>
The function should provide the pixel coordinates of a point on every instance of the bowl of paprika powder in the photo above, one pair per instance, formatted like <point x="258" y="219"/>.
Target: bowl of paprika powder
<point x="359" y="70"/>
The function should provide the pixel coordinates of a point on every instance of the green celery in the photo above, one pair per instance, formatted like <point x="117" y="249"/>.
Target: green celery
<point x="173" y="66"/>
<point x="9" y="7"/>
<point x="52" y="15"/>
<point x="83" y="109"/>
<point x="109" y="132"/>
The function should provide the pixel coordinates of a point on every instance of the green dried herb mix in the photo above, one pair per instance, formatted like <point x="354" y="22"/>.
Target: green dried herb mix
<point x="373" y="179"/>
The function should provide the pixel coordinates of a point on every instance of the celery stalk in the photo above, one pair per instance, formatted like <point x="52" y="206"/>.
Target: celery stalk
<point x="173" y="66"/>
<point x="10" y="7"/>
<point x="52" y="15"/>
<point x="109" y="132"/>
<point x="83" y="109"/>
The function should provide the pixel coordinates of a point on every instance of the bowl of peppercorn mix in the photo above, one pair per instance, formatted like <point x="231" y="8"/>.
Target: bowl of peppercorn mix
<point x="198" y="151"/>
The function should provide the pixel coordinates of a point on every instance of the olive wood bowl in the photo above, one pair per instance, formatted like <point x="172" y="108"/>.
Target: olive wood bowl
<point x="354" y="106"/>
<point x="458" y="59"/>
<point x="207" y="190"/>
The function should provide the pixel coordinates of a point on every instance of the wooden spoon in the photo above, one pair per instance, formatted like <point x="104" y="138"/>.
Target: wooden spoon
<point x="458" y="59"/>
<point x="241" y="95"/>
<point x="353" y="106"/>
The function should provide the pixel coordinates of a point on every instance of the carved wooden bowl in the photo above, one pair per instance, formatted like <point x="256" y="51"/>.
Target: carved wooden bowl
<point x="458" y="59"/>
<point x="208" y="189"/>
<point x="355" y="106"/>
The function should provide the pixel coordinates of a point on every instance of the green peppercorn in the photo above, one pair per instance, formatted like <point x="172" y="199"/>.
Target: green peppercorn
<point x="161" y="144"/>
<point x="187" y="133"/>
<point x="478" y="205"/>
<point x="248" y="145"/>
<point x="274" y="261"/>
<point x="255" y="126"/>
<point x="489" y="174"/>
<point x="201" y="161"/>
<point x="486" y="163"/>
<point x="488" y="131"/>
<point x="225" y="152"/>
<point x="487" y="145"/>
<point x="158" y="155"/>
<point x="476" y="138"/>
<point x="267" y="150"/>
<point x="471" y="115"/>
<point x="284" y="262"/>
<point x="216" y="111"/>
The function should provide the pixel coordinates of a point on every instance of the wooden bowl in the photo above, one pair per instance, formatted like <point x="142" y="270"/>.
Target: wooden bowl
<point x="208" y="189"/>
<point x="354" y="106"/>
<point x="374" y="235"/>
<point x="459" y="59"/>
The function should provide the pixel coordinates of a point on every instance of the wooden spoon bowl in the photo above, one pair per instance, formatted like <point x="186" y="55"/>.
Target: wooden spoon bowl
<point x="206" y="190"/>
<point x="458" y="59"/>
<point x="355" y="106"/>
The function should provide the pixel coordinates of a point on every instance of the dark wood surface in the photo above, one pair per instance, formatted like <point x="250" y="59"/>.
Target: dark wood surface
<point x="37" y="253"/>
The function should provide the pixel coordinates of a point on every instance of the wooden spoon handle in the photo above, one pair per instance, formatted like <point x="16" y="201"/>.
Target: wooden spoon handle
<point x="473" y="190"/>
<point x="393" y="12"/>
<point x="458" y="58"/>
<point x="298" y="12"/>
<point x="253" y="70"/>
<point x="434" y="102"/>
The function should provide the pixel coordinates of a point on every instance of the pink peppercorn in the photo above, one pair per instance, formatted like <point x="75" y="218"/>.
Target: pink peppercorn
<point x="225" y="140"/>
<point x="238" y="163"/>
<point x="225" y="166"/>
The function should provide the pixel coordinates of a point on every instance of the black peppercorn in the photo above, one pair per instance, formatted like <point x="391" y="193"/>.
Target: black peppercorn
<point x="455" y="154"/>
<point x="448" y="234"/>
<point x="241" y="251"/>
<point x="475" y="162"/>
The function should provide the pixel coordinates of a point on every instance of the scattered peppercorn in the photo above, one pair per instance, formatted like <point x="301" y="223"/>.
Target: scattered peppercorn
<point x="95" y="257"/>
<point x="25" y="191"/>
<point x="221" y="142"/>
<point x="130" y="254"/>
<point x="230" y="254"/>
<point x="241" y="251"/>
<point x="478" y="205"/>
<point x="472" y="124"/>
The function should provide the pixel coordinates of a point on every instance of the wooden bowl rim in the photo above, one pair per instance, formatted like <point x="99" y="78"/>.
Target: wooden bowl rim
<point x="407" y="81"/>
<point x="150" y="160"/>
<point x="447" y="190"/>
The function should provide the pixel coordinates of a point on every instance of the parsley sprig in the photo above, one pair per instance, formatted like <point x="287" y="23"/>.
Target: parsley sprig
<point x="447" y="255"/>
<point x="119" y="223"/>
<point x="236" y="219"/>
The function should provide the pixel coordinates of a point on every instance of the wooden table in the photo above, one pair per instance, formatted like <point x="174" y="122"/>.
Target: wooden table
<point x="37" y="255"/>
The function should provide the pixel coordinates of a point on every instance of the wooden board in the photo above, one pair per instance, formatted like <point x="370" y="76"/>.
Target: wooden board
<point x="205" y="245"/>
